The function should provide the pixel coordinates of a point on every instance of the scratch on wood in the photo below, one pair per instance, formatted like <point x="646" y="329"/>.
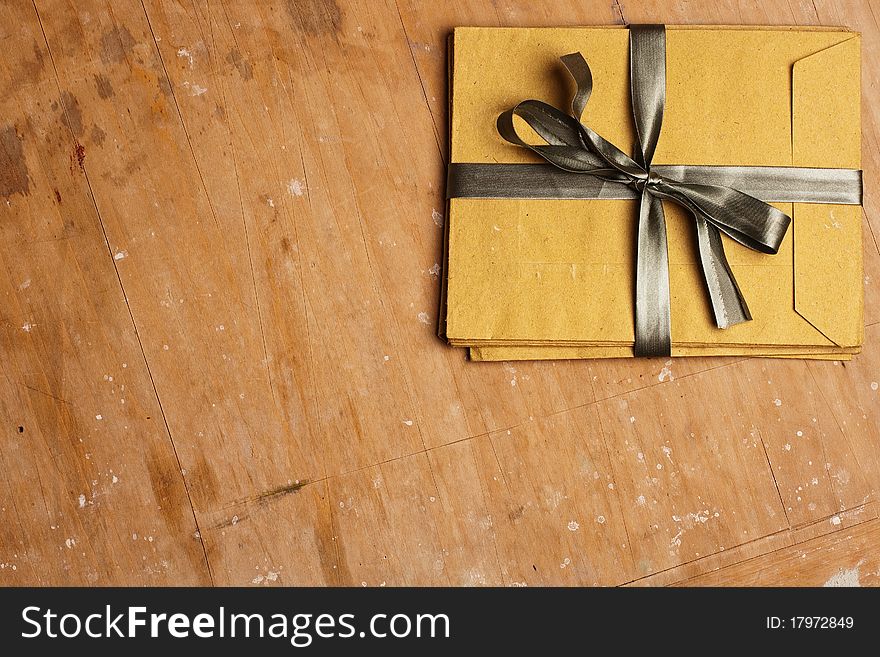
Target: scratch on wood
<point x="281" y="491"/>
<point x="775" y="483"/>
<point x="260" y="499"/>
<point x="617" y="7"/>
<point x="47" y="394"/>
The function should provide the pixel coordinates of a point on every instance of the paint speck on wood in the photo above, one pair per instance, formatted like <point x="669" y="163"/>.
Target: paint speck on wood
<point x="80" y="154"/>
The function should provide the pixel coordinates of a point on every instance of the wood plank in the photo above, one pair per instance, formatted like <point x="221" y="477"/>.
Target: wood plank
<point x="557" y="504"/>
<point x="185" y="273"/>
<point x="91" y="487"/>
<point x="693" y="482"/>
<point x="759" y="547"/>
<point x="851" y="394"/>
<point x="843" y="558"/>
<point x="533" y="505"/>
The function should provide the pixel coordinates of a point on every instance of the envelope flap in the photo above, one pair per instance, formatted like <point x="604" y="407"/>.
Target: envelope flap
<point x="826" y="132"/>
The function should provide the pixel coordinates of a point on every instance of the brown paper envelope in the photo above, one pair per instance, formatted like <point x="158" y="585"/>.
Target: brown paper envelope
<point x="578" y="353"/>
<point x="538" y="271"/>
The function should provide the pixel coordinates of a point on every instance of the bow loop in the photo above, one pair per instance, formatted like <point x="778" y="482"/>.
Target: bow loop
<point x="579" y="70"/>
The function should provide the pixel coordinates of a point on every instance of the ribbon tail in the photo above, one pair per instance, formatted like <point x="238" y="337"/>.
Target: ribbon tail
<point x="751" y="222"/>
<point x="653" y="334"/>
<point x="728" y="303"/>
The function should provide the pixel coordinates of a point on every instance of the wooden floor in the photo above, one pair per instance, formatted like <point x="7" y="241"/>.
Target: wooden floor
<point x="220" y="229"/>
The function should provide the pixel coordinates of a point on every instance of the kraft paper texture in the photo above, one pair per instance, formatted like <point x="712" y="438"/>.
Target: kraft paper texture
<point x="527" y="275"/>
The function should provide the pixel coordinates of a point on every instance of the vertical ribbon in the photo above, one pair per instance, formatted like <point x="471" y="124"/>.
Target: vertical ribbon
<point x="647" y="53"/>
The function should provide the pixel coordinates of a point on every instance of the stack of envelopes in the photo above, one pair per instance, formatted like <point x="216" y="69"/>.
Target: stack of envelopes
<point x="542" y="279"/>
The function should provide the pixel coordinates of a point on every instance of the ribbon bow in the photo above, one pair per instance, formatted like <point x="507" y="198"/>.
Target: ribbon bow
<point x="574" y="147"/>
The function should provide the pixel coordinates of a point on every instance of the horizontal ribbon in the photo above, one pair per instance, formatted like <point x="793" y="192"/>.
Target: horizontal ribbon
<point x="583" y="165"/>
<point x="545" y="181"/>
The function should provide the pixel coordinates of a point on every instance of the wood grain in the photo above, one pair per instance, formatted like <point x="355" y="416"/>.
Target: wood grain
<point x="221" y="224"/>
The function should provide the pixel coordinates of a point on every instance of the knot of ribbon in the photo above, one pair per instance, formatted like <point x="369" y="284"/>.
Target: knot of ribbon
<point x="574" y="147"/>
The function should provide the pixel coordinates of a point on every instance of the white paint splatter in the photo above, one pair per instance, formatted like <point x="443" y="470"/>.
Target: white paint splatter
<point x="573" y="526"/>
<point x="640" y="500"/>
<point x="667" y="452"/>
<point x="27" y="326"/>
<point x="195" y="89"/>
<point x="835" y="520"/>
<point x="82" y="501"/>
<point x="834" y="222"/>
<point x="600" y="520"/>
<point x="702" y="518"/>
<point x="25" y="285"/>
<point x="296" y="187"/>
<point x="270" y="202"/>
<point x="408" y="423"/>
<point x="787" y="447"/>
<point x="435" y="270"/>
<point x="666" y="373"/>
<point x="424" y="318"/>
<point x="70" y="542"/>
<point x="99" y="417"/>
<point x="386" y="358"/>
<point x="874" y="385"/>
<point x="437" y="217"/>
<point x="183" y="52"/>
<point x="845" y="577"/>
<point x="799" y="433"/>
<point x="778" y="402"/>
<point x="115" y="479"/>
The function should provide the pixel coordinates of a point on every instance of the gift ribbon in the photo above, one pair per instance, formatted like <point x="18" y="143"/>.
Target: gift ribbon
<point x="728" y="199"/>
